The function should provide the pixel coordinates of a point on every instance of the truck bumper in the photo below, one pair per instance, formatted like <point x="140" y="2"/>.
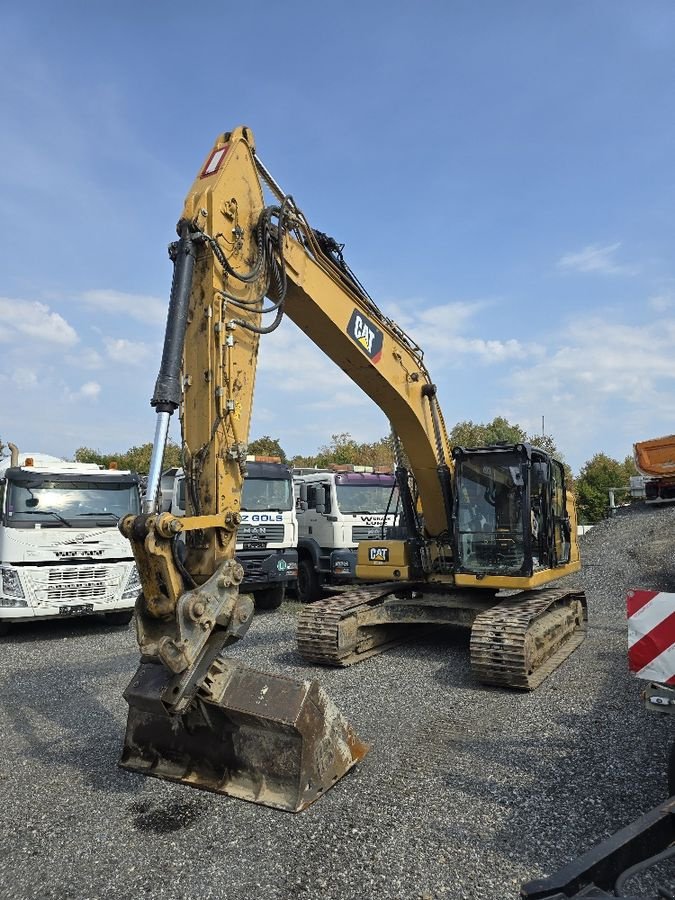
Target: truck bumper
<point x="58" y="591"/>
<point x="265" y="568"/>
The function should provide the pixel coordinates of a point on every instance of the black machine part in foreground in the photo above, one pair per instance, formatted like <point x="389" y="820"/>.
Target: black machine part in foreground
<point x="608" y="870"/>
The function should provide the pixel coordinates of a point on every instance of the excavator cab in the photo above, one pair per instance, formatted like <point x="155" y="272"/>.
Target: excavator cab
<point x="511" y="512"/>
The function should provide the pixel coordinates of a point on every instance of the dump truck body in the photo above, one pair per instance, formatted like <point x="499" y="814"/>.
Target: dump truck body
<point x="655" y="459"/>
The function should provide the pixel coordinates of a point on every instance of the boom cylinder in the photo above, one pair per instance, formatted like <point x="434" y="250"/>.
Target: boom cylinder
<point x="167" y="395"/>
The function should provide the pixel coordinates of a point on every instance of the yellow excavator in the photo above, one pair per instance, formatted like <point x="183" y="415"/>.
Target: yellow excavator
<point x="471" y="522"/>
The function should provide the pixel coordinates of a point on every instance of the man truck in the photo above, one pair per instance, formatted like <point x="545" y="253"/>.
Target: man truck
<point x="268" y="534"/>
<point x="337" y="508"/>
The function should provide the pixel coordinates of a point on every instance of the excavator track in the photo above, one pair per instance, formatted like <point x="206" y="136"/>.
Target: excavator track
<point x="321" y="626"/>
<point x="518" y="642"/>
<point x="515" y="643"/>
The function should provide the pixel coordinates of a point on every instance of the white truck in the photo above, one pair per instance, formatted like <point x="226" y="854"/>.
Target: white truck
<point x="337" y="508"/>
<point x="268" y="535"/>
<point x="61" y="553"/>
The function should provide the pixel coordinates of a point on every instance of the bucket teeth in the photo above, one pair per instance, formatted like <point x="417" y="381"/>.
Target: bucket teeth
<point x="264" y="738"/>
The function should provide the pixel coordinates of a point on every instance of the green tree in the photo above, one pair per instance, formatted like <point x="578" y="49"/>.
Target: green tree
<point x="267" y="446"/>
<point x="544" y="442"/>
<point x="137" y="459"/>
<point x="473" y="434"/>
<point x="500" y="430"/>
<point x="343" y="449"/>
<point x="596" y="477"/>
<point x="87" y="455"/>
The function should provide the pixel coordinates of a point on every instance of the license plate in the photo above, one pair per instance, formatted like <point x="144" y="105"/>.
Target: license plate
<point x="81" y="609"/>
<point x="253" y="545"/>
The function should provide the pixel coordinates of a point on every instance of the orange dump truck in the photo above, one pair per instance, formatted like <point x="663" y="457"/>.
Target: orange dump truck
<point x="655" y="460"/>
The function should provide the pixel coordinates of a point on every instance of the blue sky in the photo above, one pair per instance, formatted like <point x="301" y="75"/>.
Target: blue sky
<point x="500" y="172"/>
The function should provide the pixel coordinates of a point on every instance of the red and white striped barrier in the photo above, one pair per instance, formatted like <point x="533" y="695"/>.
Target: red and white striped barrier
<point x="651" y="635"/>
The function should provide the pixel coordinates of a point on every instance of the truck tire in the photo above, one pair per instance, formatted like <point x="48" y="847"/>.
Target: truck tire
<point x="4" y="628"/>
<point x="121" y="618"/>
<point x="309" y="585"/>
<point x="270" y="598"/>
<point x="671" y="772"/>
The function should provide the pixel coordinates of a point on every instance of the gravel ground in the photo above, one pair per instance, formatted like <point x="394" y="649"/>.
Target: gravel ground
<point x="467" y="791"/>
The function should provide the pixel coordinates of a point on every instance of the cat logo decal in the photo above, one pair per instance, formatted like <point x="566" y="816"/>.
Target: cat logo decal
<point x="367" y="336"/>
<point x="378" y="554"/>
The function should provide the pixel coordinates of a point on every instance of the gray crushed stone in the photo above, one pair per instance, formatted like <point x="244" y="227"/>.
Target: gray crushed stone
<point x="467" y="791"/>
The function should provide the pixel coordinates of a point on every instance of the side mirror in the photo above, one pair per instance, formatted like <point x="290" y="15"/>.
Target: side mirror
<point x="301" y="506"/>
<point x="320" y="495"/>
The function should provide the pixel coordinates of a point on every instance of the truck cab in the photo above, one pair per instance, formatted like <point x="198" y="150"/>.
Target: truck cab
<point x="61" y="553"/>
<point x="268" y="535"/>
<point x="337" y="508"/>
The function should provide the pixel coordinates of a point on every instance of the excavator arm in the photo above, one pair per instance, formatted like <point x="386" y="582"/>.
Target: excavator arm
<point x="194" y="715"/>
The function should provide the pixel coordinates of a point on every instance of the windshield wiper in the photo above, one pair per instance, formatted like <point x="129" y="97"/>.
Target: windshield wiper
<point x="46" y="512"/>
<point x="99" y="514"/>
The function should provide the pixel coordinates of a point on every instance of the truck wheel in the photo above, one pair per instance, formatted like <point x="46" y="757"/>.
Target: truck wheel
<point x="671" y="772"/>
<point x="121" y="618"/>
<point x="270" y="598"/>
<point x="309" y="586"/>
<point x="4" y="628"/>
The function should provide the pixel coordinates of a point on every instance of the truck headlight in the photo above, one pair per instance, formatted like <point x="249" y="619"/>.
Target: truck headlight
<point x="11" y="583"/>
<point x="133" y="585"/>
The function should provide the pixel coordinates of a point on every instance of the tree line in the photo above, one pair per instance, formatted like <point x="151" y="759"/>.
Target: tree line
<point x="591" y="485"/>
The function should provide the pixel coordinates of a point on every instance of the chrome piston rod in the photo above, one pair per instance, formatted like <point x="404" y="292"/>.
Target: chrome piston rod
<point x="155" y="473"/>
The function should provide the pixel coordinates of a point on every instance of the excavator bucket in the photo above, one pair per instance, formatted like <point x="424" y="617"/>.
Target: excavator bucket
<point x="259" y="737"/>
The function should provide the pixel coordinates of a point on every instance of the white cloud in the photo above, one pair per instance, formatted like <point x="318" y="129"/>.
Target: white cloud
<point x="595" y="258"/>
<point x="34" y="320"/>
<point x="141" y="307"/>
<point x="121" y="350"/>
<point x="24" y="379"/>
<point x="297" y="365"/>
<point x="438" y="331"/>
<point x="605" y="385"/>
<point x="90" y="390"/>
<point x="662" y="301"/>
<point x="86" y="358"/>
<point x="454" y="316"/>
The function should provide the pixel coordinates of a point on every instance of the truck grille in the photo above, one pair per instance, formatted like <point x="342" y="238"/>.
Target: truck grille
<point x="366" y="533"/>
<point x="261" y="533"/>
<point x="253" y="570"/>
<point x="52" y="586"/>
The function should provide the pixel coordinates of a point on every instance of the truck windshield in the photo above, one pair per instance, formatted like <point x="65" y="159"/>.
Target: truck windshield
<point x="490" y="515"/>
<point x="77" y="503"/>
<point x="267" y="494"/>
<point x="366" y="498"/>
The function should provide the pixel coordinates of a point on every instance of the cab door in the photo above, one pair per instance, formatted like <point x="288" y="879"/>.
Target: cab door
<point x="561" y="522"/>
